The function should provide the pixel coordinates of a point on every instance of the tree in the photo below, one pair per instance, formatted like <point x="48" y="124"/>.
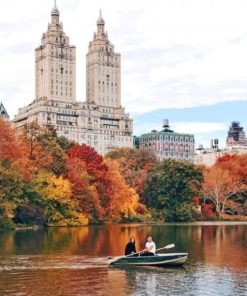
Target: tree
<point x="40" y="158"/>
<point x="9" y="148"/>
<point x="170" y="188"/>
<point x="123" y="201"/>
<point x="87" y="172"/>
<point x="98" y="186"/>
<point x="83" y="188"/>
<point x="53" y="195"/>
<point x="133" y="165"/>
<point x="223" y="186"/>
<point x="64" y="143"/>
<point x="51" y="146"/>
<point x="14" y="151"/>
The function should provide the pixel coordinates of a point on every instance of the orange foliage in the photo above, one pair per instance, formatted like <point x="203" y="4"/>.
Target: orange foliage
<point x="9" y="148"/>
<point x="123" y="201"/>
<point x="98" y="185"/>
<point x="133" y="165"/>
<point x="226" y="181"/>
<point x="14" y="148"/>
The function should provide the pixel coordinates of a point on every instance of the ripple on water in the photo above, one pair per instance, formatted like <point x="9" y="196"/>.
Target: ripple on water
<point x="44" y="263"/>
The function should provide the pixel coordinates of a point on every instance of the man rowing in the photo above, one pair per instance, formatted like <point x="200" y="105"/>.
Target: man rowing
<point x="150" y="247"/>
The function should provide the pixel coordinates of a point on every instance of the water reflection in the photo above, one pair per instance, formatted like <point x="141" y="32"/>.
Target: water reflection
<point x="72" y="261"/>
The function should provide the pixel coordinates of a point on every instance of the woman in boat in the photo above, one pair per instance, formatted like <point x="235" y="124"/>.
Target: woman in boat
<point x="130" y="248"/>
<point x="150" y="247"/>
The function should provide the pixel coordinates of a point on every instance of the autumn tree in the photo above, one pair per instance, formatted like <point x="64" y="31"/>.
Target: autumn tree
<point x="14" y="151"/>
<point x="99" y="187"/>
<point x="51" y="146"/>
<point x="46" y="149"/>
<point x="225" y="184"/>
<point x="83" y="188"/>
<point x="40" y="158"/>
<point x="53" y="195"/>
<point x="88" y="178"/>
<point x="123" y="201"/>
<point x="133" y="165"/>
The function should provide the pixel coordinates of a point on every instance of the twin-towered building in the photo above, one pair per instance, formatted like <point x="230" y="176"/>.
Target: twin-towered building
<point x="100" y="121"/>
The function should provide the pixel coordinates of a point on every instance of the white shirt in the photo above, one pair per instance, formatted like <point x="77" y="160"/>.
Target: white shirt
<point x="151" y="246"/>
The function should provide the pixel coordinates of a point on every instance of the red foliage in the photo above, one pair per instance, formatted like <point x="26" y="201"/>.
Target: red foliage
<point x="208" y="210"/>
<point x="94" y="162"/>
<point x="196" y="200"/>
<point x="87" y="172"/>
<point x="98" y="186"/>
<point x="82" y="189"/>
<point x="235" y="164"/>
<point x="225" y="158"/>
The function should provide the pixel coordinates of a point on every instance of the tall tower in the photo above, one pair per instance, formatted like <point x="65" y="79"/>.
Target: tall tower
<point x="236" y="135"/>
<point x="103" y="85"/>
<point x="55" y="59"/>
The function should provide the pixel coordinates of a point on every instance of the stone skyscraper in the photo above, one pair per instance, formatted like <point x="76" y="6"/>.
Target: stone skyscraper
<point x="103" y="70"/>
<point x="55" y="72"/>
<point x="100" y="121"/>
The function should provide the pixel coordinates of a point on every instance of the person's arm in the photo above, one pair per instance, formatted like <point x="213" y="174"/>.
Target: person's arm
<point x="126" y="249"/>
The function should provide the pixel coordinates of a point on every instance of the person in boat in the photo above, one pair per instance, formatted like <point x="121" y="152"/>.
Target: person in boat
<point x="130" y="248"/>
<point x="150" y="247"/>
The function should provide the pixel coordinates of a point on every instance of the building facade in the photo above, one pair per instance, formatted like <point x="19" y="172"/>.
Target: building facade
<point x="100" y="121"/>
<point x="168" y="144"/>
<point x="236" y="144"/>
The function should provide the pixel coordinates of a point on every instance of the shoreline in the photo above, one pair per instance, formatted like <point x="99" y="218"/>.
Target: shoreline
<point x="193" y="223"/>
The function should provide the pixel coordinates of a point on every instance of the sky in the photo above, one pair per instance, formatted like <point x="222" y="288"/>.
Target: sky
<point x="181" y="60"/>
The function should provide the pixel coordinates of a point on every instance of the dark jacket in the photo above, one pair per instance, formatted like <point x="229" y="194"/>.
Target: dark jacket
<point x="130" y="247"/>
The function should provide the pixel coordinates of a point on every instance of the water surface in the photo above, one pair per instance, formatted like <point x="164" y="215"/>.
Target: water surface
<point x="73" y="261"/>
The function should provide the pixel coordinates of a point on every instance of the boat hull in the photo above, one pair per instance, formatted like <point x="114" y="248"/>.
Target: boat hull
<point x="171" y="259"/>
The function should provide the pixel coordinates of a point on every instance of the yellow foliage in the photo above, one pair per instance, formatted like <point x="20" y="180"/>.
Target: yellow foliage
<point x="59" y="206"/>
<point x="53" y="188"/>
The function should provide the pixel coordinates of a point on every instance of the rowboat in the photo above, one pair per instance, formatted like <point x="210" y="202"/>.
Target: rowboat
<point x="168" y="259"/>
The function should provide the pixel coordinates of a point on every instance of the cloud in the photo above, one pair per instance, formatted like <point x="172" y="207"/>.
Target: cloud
<point x="199" y="127"/>
<point x="175" y="54"/>
<point x="185" y="127"/>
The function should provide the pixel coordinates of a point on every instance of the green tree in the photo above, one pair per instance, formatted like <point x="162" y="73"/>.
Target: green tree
<point x="11" y="192"/>
<point x="170" y="187"/>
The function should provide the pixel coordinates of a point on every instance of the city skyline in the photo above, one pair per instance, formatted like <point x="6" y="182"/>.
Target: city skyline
<point x="184" y="62"/>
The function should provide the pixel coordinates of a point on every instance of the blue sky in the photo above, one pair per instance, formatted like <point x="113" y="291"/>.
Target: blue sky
<point x="181" y="60"/>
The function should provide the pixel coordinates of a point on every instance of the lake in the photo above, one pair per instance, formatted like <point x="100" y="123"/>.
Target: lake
<point x="73" y="261"/>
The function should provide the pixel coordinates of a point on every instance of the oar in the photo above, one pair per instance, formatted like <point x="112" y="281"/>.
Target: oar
<point x="166" y="247"/>
<point x="117" y="258"/>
